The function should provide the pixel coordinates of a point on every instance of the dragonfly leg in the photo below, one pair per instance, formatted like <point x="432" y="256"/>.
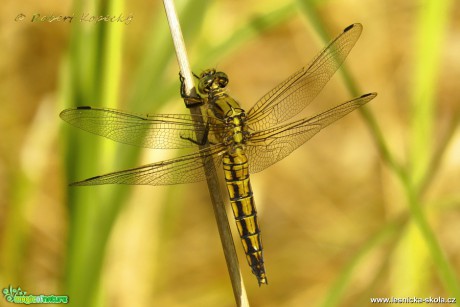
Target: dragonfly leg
<point x="204" y="138"/>
<point x="192" y="100"/>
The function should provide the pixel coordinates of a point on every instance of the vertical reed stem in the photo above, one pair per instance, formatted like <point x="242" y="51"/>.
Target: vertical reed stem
<point x="239" y="290"/>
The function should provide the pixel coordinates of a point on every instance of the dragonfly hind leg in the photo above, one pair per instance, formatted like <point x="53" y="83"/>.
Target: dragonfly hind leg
<point x="204" y="138"/>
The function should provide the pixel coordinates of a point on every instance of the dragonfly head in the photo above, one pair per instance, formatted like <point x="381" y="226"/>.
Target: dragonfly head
<point x="212" y="81"/>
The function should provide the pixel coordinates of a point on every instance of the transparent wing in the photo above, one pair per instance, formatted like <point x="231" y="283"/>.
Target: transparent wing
<point x="269" y="146"/>
<point x="185" y="169"/>
<point x="297" y="91"/>
<point x="167" y="131"/>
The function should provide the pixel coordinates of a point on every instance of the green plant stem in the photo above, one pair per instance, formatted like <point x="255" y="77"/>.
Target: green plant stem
<point x="446" y="272"/>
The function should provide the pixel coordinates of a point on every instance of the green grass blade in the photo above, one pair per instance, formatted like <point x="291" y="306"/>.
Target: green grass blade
<point x="431" y="28"/>
<point x="432" y="24"/>
<point x="95" y="73"/>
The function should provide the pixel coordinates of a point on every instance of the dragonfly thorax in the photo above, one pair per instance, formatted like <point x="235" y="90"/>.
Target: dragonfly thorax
<point x="236" y="129"/>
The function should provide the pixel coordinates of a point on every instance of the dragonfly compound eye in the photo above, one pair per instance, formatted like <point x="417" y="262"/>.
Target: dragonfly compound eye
<point x="207" y="73"/>
<point x="205" y="84"/>
<point x="222" y="79"/>
<point x="223" y="82"/>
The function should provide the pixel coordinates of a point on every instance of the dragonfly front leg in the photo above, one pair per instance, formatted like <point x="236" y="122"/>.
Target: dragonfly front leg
<point x="192" y="100"/>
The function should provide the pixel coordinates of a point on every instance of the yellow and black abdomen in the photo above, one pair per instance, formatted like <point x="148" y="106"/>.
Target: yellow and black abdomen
<point x="244" y="210"/>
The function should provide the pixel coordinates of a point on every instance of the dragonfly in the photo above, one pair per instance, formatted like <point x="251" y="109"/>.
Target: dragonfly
<point x="242" y="142"/>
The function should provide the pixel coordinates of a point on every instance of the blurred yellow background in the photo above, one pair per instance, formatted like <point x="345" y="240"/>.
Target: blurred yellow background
<point x="370" y="207"/>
